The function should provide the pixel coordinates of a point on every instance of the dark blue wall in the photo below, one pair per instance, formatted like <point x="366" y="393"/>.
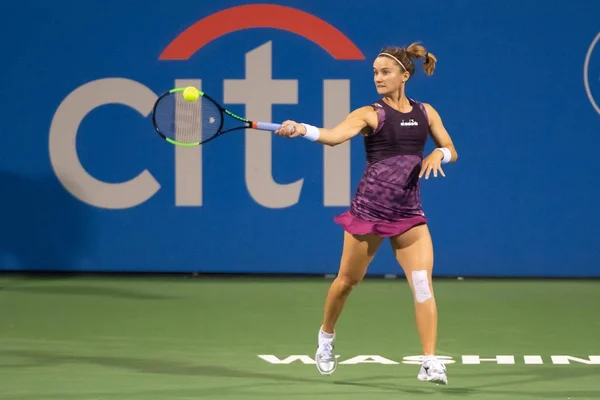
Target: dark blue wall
<point x="517" y="85"/>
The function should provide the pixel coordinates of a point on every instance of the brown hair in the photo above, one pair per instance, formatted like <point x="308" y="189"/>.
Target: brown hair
<point x="406" y="56"/>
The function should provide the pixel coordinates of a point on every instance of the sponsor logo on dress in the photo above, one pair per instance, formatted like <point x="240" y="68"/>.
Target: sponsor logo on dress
<point x="410" y="122"/>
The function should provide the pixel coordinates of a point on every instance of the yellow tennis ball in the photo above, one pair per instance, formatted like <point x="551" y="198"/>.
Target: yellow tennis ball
<point x="190" y="93"/>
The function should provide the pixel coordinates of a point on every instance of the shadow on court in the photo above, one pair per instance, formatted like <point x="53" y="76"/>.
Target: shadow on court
<point x="536" y="378"/>
<point x="150" y="366"/>
<point x="381" y="383"/>
<point x="84" y="290"/>
<point x="43" y="227"/>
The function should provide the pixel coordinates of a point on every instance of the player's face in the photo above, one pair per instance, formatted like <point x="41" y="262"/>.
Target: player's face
<point x="387" y="75"/>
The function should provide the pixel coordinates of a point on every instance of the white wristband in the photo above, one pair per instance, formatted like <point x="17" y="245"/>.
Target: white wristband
<point x="447" y="154"/>
<point x="312" y="133"/>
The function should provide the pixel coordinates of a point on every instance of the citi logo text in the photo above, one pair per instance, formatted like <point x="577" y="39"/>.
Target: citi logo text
<point x="257" y="92"/>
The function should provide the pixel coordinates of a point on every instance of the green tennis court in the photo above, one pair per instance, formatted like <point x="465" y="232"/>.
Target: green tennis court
<point x="131" y="338"/>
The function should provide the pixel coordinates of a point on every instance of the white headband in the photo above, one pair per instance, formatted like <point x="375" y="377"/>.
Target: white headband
<point x="389" y="55"/>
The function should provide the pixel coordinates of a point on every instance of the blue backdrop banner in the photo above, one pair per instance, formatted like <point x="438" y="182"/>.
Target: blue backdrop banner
<point x="87" y="185"/>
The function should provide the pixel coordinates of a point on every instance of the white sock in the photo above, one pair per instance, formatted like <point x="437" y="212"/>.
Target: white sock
<point x="429" y="357"/>
<point x="325" y="337"/>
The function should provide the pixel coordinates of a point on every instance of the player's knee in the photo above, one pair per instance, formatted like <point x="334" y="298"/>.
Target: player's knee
<point x="421" y="287"/>
<point x="347" y="283"/>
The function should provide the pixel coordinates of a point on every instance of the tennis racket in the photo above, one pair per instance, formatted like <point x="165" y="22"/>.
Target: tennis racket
<point x="192" y="123"/>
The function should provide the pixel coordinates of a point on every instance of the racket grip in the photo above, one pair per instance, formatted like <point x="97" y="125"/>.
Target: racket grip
<point x="266" y="126"/>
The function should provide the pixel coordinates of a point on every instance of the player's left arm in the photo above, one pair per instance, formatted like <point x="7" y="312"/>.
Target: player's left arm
<point x="439" y="134"/>
<point x="442" y="139"/>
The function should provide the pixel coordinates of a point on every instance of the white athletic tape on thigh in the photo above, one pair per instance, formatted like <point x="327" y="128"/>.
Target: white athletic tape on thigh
<point x="421" y="286"/>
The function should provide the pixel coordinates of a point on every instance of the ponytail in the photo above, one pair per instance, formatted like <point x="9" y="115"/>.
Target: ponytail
<point x="415" y="51"/>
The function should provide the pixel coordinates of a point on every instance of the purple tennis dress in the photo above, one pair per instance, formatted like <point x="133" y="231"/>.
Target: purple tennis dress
<point x="387" y="201"/>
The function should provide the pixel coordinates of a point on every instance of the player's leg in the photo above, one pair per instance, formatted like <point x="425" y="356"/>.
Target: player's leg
<point x="358" y="252"/>
<point x="414" y="252"/>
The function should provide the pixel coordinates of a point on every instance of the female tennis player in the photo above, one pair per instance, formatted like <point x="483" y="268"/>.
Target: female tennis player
<point x="387" y="201"/>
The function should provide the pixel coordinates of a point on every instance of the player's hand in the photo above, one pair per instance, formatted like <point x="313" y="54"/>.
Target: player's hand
<point x="432" y="163"/>
<point x="291" y="129"/>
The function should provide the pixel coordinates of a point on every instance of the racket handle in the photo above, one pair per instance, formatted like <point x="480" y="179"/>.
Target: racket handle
<point x="265" y="126"/>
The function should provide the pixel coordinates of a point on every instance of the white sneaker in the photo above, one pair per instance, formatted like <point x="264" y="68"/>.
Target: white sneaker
<point x="325" y="357"/>
<point x="433" y="370"/>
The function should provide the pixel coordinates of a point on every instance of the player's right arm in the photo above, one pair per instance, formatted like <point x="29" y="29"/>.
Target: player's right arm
<point x="362" y="120"/>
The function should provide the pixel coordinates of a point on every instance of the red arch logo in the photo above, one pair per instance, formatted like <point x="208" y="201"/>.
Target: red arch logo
<point x="261" y="16"/>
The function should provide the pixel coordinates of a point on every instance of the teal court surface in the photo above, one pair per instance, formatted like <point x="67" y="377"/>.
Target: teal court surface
<point x="134" y="338"/>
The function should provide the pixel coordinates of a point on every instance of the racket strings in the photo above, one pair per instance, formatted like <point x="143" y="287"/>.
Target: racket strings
<point x="187" y="122"/>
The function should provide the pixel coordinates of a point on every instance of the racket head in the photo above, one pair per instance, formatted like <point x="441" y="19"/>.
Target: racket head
<point x="187" y="123"/>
